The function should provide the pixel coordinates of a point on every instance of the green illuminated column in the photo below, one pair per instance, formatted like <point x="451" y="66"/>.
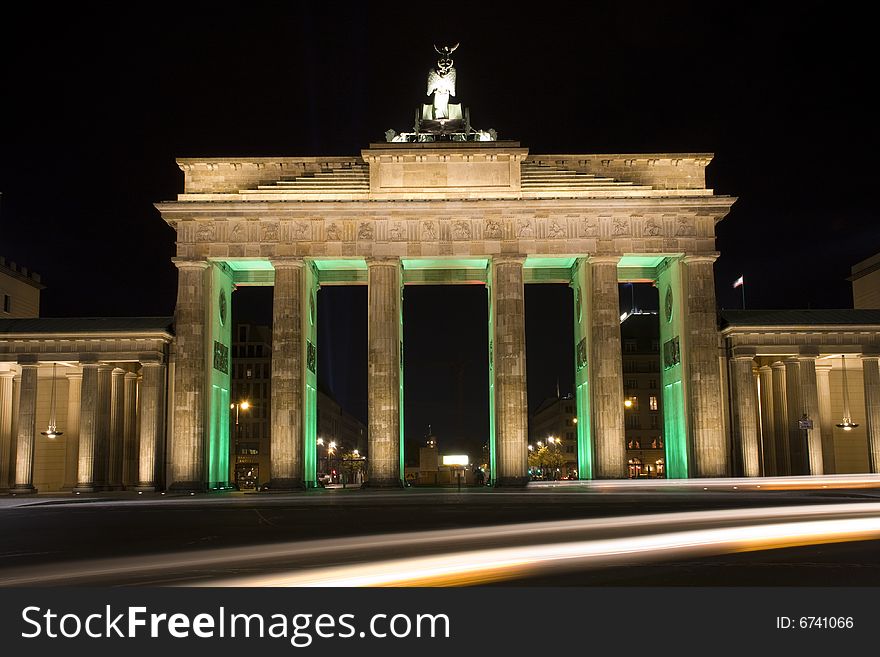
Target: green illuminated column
<point x="810" y="402"/>
<point x="871" y="371"/>
<point x="745" y="412"/>
<point x="606" y="375"/>
<point x="151" y="429"/>
<point x="493" y="472"/>
<point x="700" y="350"/>
<point x="673" y="337"/>
<point x="218" y="325"/>
<point x="6" y="378"/>
<point x="581" y="284"/>
<point x="509" y="345"/>
<point x="384" y="343"/>
<point x="27" y="428"/>
<point x="190" y="375"/>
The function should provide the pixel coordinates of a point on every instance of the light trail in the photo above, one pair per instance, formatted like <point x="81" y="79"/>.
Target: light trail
<point x="463" y="555"/>
<point x="793" y="482"/>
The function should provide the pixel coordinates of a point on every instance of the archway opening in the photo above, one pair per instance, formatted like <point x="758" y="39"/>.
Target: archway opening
<point x="445" y="378"/>
<point x="553" y="420"/>
<point x="642" y="381"/>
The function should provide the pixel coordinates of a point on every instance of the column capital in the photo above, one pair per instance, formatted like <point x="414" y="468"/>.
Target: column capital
<point x="777" y="365"/>
<point x="189" y="263"/>
<point x="744" y="353"/>
<point x="8" y="374"/>
<point x="118" y="370"/>
<point x="870" y="357"/>
<point x="764" y="368"/>
<point x="694" y="258"/>
<point x="508" y="259"/>
<point x="105" y="367"/>
<point x="131" y="376"/>
<point x="871" y="351"/>
<point x="383" y="261"/>
<point x="290" y="262"/>
<point x="603" y="259"/>
<point x="73" y="375"/>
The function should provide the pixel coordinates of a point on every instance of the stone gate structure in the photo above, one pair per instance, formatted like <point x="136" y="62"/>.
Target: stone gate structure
<point x="448" y="212"/>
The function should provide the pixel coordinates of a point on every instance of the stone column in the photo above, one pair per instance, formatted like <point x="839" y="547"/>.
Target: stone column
<point x="190" y="375"/>
<point x="744" y="413"/>
<point x="703" y="373"/>
<point x="71" y="429"/>
<point x="609" y="443"/>
<point x="511" y="403"/>
<point x="871" y="373"/>
<point x="102" y="427"/>
<point x="823" y="380"/>
<point x="768" y="427"/>
<point x="287" y="375"/>
<point x="810" y="403"/>
<point x="117" y="428"/>
<point x="6" y="429"/>
<point x="780" y="419"/>
<point x="27" y="427"/>
<point x="88" y="428"/>
<point x="383" y="339"/>
<point x="16" y="398"/>
<point x="129" y="431"/>
<point x="796" y="447"/>
<point x="152" y="416"/>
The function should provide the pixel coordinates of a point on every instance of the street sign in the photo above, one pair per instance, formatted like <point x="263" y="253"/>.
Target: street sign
<point x="805" y="423"/>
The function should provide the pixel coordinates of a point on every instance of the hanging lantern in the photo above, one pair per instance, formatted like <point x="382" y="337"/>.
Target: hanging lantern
<point x="847" y="424"/>
<point x="52" y="432"/>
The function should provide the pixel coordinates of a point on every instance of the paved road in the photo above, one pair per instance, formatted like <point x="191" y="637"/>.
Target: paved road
<point x="46" y="534"/>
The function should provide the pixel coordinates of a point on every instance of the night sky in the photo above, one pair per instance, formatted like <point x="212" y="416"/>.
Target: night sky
<point x="97" y="102"/>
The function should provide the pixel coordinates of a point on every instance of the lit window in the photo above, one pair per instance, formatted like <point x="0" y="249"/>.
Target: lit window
<point x="652" y="403"/>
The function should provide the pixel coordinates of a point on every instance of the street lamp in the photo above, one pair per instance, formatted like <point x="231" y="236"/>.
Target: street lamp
<point x="240" y="406"/>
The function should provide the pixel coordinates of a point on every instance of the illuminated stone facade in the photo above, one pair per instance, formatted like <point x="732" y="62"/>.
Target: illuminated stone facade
<point x="483" y="213"/>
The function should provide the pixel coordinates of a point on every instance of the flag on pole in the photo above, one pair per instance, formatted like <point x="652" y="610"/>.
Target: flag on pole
<point x="739" y="281"/>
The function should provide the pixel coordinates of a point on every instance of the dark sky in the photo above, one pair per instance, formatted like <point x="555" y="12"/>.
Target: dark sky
<point x="98" y="101"/>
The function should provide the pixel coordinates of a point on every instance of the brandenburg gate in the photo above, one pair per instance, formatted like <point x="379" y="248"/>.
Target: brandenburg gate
<point x="445" y="204"/>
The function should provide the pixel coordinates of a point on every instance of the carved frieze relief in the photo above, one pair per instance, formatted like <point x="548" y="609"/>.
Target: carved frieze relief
<point x="269" y="231"/>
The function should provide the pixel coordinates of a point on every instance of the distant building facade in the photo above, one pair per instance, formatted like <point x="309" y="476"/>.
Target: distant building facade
<point x="250" y="434"/>
<point x="643" y="416"/>
<point x="19" y="291"/>
<point x="866" y="283"/>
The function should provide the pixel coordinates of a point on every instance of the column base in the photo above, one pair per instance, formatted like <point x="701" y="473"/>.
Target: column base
<point x="382" y="483"/>
<point x="84" y="488"/>
<point x="188" y="487"/>
<point x="23" y="490"/>
<point x="511" y="482"/>
<point x="143" y="488"/>
<point x="285" y="485"/>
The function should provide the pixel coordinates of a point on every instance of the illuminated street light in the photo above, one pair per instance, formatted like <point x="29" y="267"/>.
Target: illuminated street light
<point x="628" y="403"/>
<point x="321" y="441"/>
<point x="574" y="420"/>
<point x="531" y="448"/>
